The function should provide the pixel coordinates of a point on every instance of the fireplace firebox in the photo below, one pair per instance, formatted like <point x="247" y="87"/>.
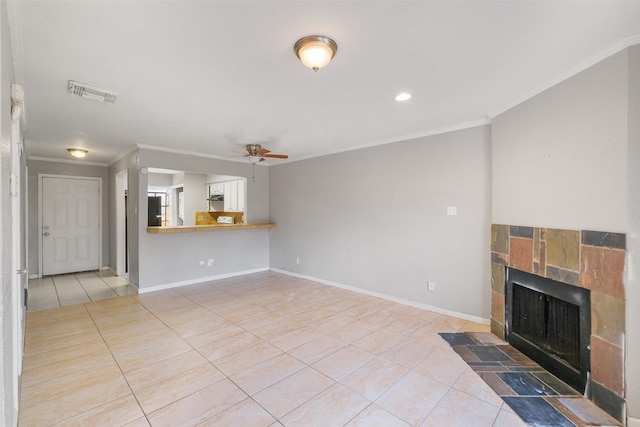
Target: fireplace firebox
<point x="550" y="322"/>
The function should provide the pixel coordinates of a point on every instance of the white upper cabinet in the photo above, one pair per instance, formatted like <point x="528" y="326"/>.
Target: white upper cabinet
<point x="241" y="195"/>
<point x="234" y="196"/>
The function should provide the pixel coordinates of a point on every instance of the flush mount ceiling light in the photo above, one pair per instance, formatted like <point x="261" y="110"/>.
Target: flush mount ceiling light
<point x="315" y="52"/>
<point x="77" y="152"/>
<point x="404" y="96"/>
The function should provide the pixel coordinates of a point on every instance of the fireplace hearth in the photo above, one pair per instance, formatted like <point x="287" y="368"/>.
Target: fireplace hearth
<point x="550" y="322"/>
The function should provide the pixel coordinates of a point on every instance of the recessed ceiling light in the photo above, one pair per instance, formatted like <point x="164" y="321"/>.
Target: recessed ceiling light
<point x="404" y="96"/>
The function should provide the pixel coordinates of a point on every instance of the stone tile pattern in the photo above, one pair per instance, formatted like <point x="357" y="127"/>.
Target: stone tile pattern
<point x="590" y="259"/>
<point x="538" y="397"/>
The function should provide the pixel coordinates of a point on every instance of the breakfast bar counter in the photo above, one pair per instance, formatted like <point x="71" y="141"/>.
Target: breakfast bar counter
<point x="211" y="227"/>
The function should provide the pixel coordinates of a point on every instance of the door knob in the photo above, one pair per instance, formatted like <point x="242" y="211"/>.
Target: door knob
<point x="46" y="233"/>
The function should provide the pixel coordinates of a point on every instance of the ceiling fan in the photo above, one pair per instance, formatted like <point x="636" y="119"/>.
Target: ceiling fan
<point x="256" y="153"/>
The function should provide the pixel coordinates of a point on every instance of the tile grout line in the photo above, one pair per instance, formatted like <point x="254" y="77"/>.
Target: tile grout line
<point x="117" y="364"/>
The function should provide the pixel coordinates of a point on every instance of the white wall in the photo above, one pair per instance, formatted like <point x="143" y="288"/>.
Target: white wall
<point x="129" y="163"/>
<point x="8" y="415"/>
<point x="160" y="179"/>
<point x="195" y="196"/>
<point x="560" y="158"/>
<point x="173" y="259"/>
<point x="68" y="169"/>
<point x="376" y="219"/>
<point x="568" y="158"/>
<point x="632" y="288"/>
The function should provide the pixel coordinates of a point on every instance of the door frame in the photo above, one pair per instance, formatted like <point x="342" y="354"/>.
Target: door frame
<point x="19" y="258"/>
<point x="41" y="176"/>
<point x="121" y="185"/>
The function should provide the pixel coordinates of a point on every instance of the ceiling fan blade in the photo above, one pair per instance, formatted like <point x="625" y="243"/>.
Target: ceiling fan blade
<point x="276" y="156"/>
<point x="262" y="151"/>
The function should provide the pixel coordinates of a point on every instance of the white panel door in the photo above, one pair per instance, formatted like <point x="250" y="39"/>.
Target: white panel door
<point x="70" y="225"/>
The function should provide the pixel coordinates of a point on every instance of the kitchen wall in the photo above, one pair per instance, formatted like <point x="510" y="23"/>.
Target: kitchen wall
<point x="194" y="196"/>
<point x="376" y="219"/>
<point x="164" y="260"/>
<point x="567" y="159"/>
<point x="36" y="167"/>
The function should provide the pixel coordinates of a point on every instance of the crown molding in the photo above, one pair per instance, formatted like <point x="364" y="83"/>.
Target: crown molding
<point x="122" y="155"/>
<point x="408" y="137"/>
<point x="195" y="153"/>
<point x="74" y="162"/>
<point x="617" y="47"/>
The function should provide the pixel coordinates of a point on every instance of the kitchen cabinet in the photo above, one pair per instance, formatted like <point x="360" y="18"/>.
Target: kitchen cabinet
<point x="230" y="196"/>
<point x="241" y="195"/>
<point x="214" y="197"/>
<point x="234" y="196"/>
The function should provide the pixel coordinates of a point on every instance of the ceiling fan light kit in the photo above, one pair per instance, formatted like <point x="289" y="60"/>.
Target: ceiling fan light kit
<point x="315" y="52"/>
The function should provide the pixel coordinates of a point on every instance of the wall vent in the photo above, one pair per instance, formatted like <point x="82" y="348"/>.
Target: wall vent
<point x="91" y="92"/>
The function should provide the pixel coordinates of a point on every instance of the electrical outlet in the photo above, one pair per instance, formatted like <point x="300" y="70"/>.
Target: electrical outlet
<point x="431" y="286"/>
<point x="201" y="262"/>
<point x="297" y="260"/>
<point x="210" y="262"/>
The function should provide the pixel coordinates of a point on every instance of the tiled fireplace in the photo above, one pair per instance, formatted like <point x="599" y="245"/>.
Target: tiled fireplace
<point x="587" y="259"/>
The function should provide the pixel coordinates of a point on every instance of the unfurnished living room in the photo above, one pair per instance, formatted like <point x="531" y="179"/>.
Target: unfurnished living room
<point x="320" y="213"/>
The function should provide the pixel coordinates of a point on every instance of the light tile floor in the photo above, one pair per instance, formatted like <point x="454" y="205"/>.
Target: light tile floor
<point x="258" y="350"/>
<point x="70" y="289"/>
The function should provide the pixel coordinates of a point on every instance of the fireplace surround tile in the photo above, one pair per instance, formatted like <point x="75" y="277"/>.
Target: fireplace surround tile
<point x="552" y="253"/>
<point x="497" y="278"/>
<point x="562" y="275"/>
<point x="520" y="231"/>
<point x="497" y="305"/>
<point x="542" y="270"/>
<point x="521" y="254"/>
<point x="602" y="270"/>
<point x="606" y="364"/>
<point x="563" y="249"/>
<point x="604" y="239"/>
<point x="500" y="238"/>
<point x="608" y="317"/>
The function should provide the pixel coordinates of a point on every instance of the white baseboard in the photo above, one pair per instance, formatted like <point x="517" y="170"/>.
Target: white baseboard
<point x="199" y="280"/>
<point x="34" y="276"/>
<point x="415" y="304"/>
<point x="633" y="422"/>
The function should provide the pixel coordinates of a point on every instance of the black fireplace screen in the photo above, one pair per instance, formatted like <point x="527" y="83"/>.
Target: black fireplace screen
<point x="550" y="322"/>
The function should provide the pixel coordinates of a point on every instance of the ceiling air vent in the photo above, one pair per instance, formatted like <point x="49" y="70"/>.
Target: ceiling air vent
<point x="91" y="92"/>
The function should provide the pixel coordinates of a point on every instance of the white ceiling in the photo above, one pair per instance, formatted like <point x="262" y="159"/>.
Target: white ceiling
<point x="210" y="76"/>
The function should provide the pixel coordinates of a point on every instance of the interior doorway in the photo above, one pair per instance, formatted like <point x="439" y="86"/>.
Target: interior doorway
<point x="122" y="237"/>
<point x="70" y="224"/>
